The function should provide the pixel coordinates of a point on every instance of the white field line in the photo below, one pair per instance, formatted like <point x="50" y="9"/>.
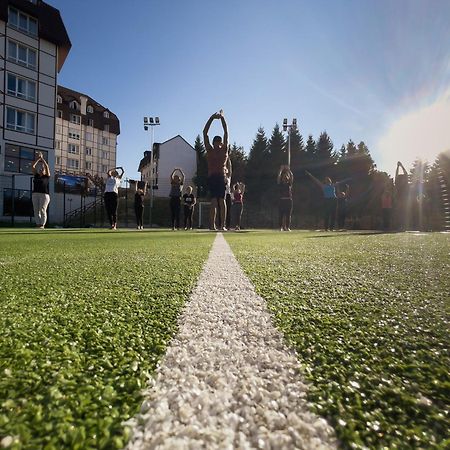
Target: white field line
<point x="227" y="381"/>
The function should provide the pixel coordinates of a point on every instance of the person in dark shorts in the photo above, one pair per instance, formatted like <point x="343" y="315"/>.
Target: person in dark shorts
<point x="217" y="157"/>
<point x="285" y="181"/>
<point x="189" y="202"/>
<point x="40" y="196"/>
<point x="176" y="188"/>
<point x="139" y="208"/>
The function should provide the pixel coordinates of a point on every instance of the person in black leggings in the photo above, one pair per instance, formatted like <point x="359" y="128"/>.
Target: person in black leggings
<point x="139" y="208"/>
<point x="285" y="180"/>
<point x="176" y="182"/>
<point x="189" y="202"/>
<point x="111" y="195"/>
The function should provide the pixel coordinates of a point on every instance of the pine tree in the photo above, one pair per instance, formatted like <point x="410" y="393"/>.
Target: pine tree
<point x="201" y="176"/>
<point x="277" y="151"/>
<point x="310" y="151"/>
<point x="325" y="156"/>
<point x="298" y="154"/>
<point x="238" y="163"/>
<point x="351" y="148"/>
<point x="255" y="174"/>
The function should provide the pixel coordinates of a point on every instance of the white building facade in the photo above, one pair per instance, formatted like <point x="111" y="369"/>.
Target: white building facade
<point x="33" y="47"/>
<point x="175" y="152"/>
<point x="85" y="136"/>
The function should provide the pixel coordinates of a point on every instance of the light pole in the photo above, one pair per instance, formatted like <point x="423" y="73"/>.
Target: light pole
<point x="288" y="127"/>
<point x="151" y="122"/>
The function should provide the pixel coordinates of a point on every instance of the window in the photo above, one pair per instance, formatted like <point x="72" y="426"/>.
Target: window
<point x="58" y="145"/>
<point x="88" y="151"/>
<point x="88" y="136"/>
<point x="58" y="129"/>
<point x="105" y="155"/>
<point x="22" y="22"/>
<point x="20" y="120"/>
<point x="59" y="114"/>
<point x="104" y="168"/>
<point x="75" y="119"/>
<point x="74" y="105"/>
<point x="73" y="163"/>
<point x="58" y="160"/>
<point x="20" y="159"/>
<point x="106" y="114"/>
<point x="88" y="165"/>
<point x="105" y="141"/>
<point x="74" y="134"/>
<point x="91" y="122"/>
<point x="59" y="99"/>
<point x="21" y="88"/>
<point x="22" y="202"/>
<point x="73" y="148"/>
<point x="21" y="55"/>
<point x="106" y="127"/>
<point x="90" y="109"/>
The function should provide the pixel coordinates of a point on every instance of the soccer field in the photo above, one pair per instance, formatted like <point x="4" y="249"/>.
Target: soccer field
<point x="85" y="316"/>
<point x="368" y="317"/>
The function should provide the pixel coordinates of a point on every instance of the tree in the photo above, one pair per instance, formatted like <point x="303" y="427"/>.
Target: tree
<point x="238" y="163"/>
<point x="298" y="154"/>
<point x="277" y="151"/>
<point x="325" y="158"/>
<point x="201" y="176"/>
<point x="256" y="170"/>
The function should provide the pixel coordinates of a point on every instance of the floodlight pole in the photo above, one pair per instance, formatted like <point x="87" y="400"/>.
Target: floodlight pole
<point x="288" y="127"/>
<point x="151" y="122"/>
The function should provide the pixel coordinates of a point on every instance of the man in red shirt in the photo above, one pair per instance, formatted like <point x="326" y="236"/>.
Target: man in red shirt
<point x="217" y="158"/>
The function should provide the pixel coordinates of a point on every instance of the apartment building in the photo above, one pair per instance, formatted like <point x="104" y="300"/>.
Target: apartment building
<point x="85" y="136"/>
<point x="33" y="47"/>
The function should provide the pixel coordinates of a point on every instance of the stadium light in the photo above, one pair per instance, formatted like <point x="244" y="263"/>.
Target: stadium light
<point x="288" y="127"/>
<point x="151" y="122"/>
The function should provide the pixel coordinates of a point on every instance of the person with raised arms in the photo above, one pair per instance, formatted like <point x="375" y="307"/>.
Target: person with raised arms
<point x="40" y="196"/>
<point x="330" y="200"/>
<point x="217" y="158"/>
<point x="285" y="180"/>
<point x="176" y="188"/>
<point x="111" y="195"/>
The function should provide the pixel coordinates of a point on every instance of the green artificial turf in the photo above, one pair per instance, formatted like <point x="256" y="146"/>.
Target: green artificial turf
<point x="368" y="317"/>
<point x="84" y="318"/>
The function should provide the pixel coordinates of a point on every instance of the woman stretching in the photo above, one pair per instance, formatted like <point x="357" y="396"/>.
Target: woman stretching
<point x="238" y="204"/>
<point x="285" y="180"/>
<point x="176" y="182"/>
<point x="189" y="202"/>
<point x="111" y="195"/>
<point x="330" y="200"/>
<point x="40" y="195"/>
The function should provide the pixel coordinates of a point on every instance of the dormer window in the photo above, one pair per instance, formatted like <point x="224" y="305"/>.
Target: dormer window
<point x="59" y="99"/>
<point x="90" y="109"/>
<point x="73" y="105"/>
<point x="106" y="114"/>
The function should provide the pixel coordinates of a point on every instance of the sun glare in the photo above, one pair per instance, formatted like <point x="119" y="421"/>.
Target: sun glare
<point x="422" y="133"/>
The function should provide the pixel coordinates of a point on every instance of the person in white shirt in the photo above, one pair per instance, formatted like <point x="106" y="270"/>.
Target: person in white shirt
<point x="111" y="195"/>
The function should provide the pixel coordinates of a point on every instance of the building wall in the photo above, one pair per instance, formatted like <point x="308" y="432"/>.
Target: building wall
<point x="42" y="107"/>
<point x="93" y="155"/>
<point x="173" y="153"/>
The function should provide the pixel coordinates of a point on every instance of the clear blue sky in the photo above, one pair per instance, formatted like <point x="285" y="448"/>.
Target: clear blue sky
<point x="359" y="69"/>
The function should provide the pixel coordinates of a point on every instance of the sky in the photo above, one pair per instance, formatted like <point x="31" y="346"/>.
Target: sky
<point x="372" y="71"/>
